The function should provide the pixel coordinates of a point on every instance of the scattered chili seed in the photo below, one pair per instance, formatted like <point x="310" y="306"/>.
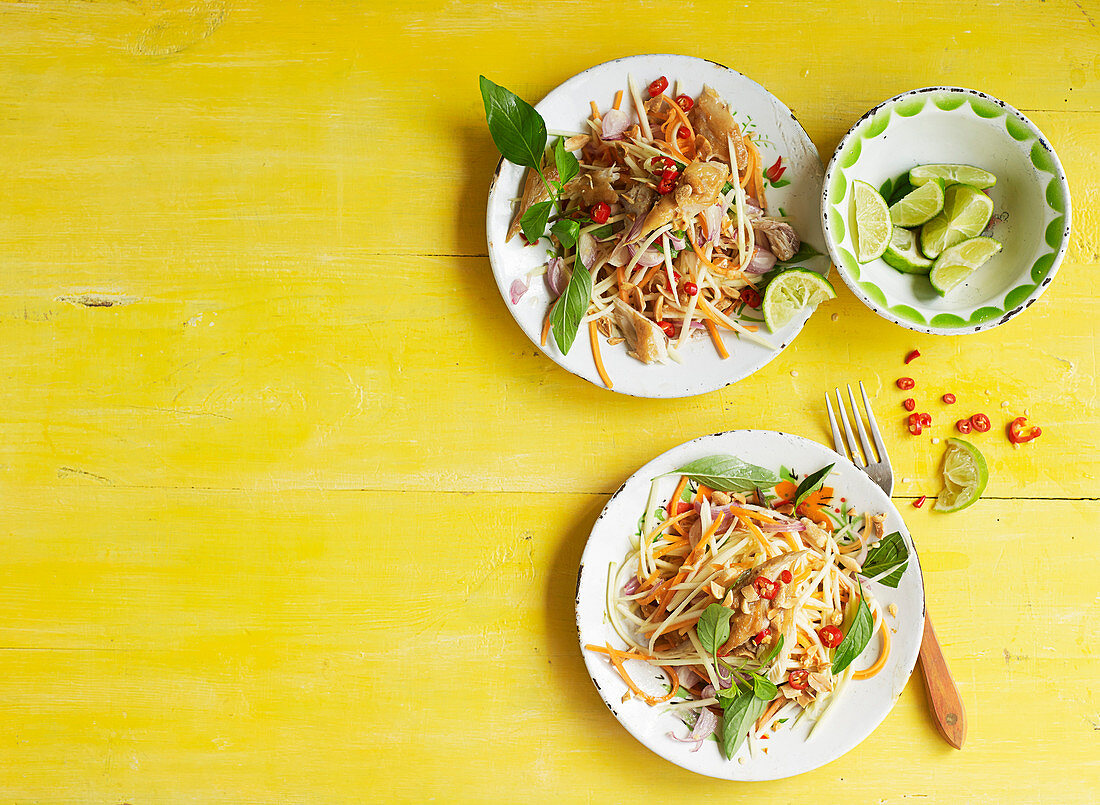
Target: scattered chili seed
<point x="949" y="398"/>
<point x="906" y="383"/>
<point x="600" y="213"/>
<point x="685" y="102"/>
<point x="919" y="501"/>
<point x="980" y="423"/>
<point x="909" y="403"/>
<point x="658" y="86"/>
<point x="912" y="356"/>
<point x="963" y="426"/>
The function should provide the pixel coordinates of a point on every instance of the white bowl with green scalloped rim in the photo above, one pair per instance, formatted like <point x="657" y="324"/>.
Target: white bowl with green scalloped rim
<point x="1031" y="205"/>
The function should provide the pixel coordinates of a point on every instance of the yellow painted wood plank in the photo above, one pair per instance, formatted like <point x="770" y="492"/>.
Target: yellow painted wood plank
<point x="325" y="381"/>
<point x="304" y="646"/>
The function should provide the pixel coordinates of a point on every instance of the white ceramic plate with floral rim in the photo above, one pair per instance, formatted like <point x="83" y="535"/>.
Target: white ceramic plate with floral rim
<point x="1031" y="213"/>
<point x="862" y="705"/>
<point x="796" y="194"/>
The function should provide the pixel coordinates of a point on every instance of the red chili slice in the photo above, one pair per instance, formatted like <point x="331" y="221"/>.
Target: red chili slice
<point x="751" y="297"/>
<point x="963" y="426"/>
<point x="949" y="398"/>
<point x="1020" y="432"/>
<point x="786" y="577"/>
<point x="906" y="383"/>
<point x="831" y="636"/>
<point x="912" y="356"/>
<point x="684" y="102"/>
<point x="798" y="679"/>
<point x="765" y="588"/>
<point x="908" y="403"/>
<point x="666" y="327"/>
<point x="925" y="420"/>
<point x="762" y="635"/>
<point x="683" y="132"/>
<point x="690" y="288"/>
<point x="980" y="423"/>
<point x="600" y="213"/>
<point x="919" y="501"/>
<point x="658" y="86"/>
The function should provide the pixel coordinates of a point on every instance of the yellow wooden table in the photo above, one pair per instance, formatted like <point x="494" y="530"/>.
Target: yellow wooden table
<point x="292" y="511"/>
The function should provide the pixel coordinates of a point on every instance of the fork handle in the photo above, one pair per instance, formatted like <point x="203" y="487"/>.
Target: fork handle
<point x="943" y="696"/>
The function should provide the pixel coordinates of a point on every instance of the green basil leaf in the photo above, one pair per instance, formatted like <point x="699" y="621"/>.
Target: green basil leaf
<point x="763" y="688"/>
<point x="566" y="230"/>
<point x="741" y="713"/>
<point x="517" y="129"/>
<point x="601" y="232"/>
<point x="713" y="627"/>
<point x="566" y="315"/>
<point x="534" y="220"/>
<point x="859" y="634"/>
<point x="771" y="655"/>
<point x="728" y="474"/>
<point x="888" y="561"/>
<point x="567" y="164"/>
<point x="810" y="483"/>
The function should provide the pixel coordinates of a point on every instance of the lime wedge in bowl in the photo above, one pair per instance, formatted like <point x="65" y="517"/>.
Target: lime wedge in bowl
<point x="790" y="292"/>
<point x="965" y="475"/>
<point x="904" y="254"/>
<point x="966" y="211"/>
<point x="920" y="206"/>
<point x="952" y="174"/>
<point x="872" y="228"/>
<point x="958" y="262"/>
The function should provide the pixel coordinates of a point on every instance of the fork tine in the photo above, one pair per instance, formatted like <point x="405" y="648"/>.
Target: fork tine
<point x="863" y="440"/>
<point x="873" y="426"/>
<point x="852" y="445"/>
<point x="837" y="440"/>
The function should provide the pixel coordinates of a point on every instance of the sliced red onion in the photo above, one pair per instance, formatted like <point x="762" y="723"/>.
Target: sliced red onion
<point x="615" y="122"/>
<point x="774" y="528"/>
<point x="631" y="586"/>
<point x="713" y="216"/>
<point x="679" y="244"/>
<point x="751" y="207"/>
<point x="518" y="289"/>
<point x="762" y="261"/>
<point x="687" y="677"/>
<point x="635" y="229"/>
<point x="650" y="257"/>
<point x="705" y="725"/>
<point x="557" y="276"/>
<point x="586" y="249"/>
<point x="687" y="740"/>
<point x="707" y="692"/>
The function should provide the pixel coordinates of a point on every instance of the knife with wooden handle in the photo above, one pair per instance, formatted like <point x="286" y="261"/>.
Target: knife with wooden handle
<point x="943" y="697"/>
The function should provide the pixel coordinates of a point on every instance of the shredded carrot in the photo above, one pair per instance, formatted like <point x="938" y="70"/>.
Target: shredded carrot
<point x="773" y="708"/>
<point x="618" y="100"/>
<point x="594" y="339"/>
<point x="620" y="274"/>
<point x="881" y="661"/>
<point x="670" y="509"/>
<point x="763" y="518"/>
<point x="595" y="110"/>
<point x="716" y="337"/>
<point x="546" y="326"/>
<point x="711" y="314"/>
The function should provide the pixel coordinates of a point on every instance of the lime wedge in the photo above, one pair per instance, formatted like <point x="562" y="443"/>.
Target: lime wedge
<point x="903" y="254"/>
<point x="958" y="262"/>
<point x="790" y="292"/>
<point x="965" y="475"/>
<point x="952" y="174"/>
<point x="872" y="222"/>
<point x="920" y="206"/>
<point x="966" y="211"/>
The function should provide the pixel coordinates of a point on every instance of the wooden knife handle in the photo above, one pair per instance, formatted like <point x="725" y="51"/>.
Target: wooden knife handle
<point x="943" y="697"/>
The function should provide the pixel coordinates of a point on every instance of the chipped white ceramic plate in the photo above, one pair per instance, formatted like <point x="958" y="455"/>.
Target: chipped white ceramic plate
<point x="862" y="704"/>
<point x="778" y="135"/>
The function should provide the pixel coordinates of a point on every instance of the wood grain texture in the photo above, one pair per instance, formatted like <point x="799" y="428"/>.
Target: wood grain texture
<point x="291" y="509"/>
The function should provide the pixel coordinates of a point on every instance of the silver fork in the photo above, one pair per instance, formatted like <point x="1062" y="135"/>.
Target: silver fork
<point x="943" y="695"/>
